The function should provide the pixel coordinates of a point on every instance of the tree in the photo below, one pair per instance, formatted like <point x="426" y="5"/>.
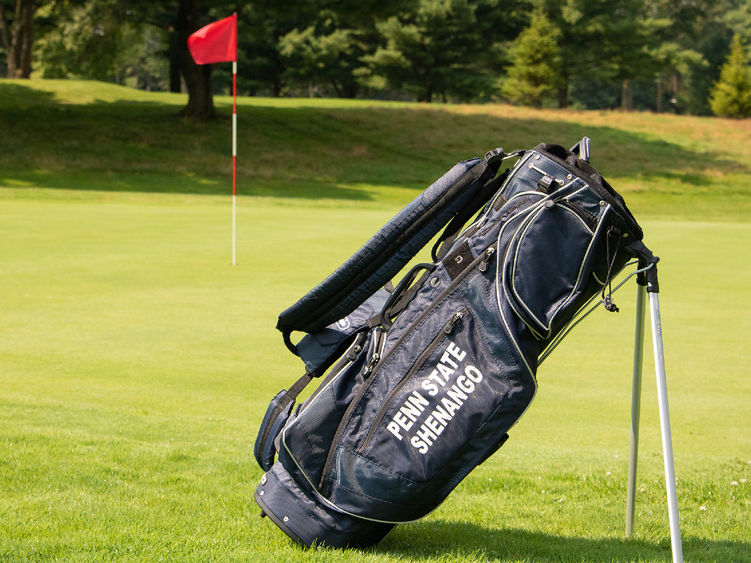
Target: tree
<point x="534" y="73"/>
<point x="191" y="17"/>
<point x="323" y="54"/>
<point x="75" y="31"/>
<point x="731" y="95"/>
<point x="432" y="49"/>
<point x="17" y="36"/>
<point x="178" y="19"/>
<point x="691" y="50"/>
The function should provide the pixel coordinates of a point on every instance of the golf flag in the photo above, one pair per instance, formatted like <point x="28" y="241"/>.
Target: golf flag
<point x="215" y="43"/>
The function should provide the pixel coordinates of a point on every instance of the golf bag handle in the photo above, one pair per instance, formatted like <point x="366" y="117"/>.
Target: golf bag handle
<point x="390" y="249"/>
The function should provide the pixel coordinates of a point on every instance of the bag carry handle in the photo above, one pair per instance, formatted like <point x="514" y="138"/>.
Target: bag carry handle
<point x="390" y="249"/>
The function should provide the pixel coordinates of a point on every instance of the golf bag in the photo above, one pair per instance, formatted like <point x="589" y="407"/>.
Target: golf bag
<point x="424" y="380"/>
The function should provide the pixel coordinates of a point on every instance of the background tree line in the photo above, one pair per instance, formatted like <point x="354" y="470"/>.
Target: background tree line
<point x="661" y="55"/>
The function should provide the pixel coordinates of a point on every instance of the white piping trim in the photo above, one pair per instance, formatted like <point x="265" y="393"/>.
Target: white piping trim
<point x="513" y="172"/>
<point x="497" y="292"/>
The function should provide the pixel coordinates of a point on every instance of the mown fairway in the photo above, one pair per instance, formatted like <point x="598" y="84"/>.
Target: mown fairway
<point x="136" y="362"/>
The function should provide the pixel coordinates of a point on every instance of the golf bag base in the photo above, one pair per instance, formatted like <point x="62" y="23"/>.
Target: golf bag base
<point x="306" y="520"/>
<point x="423" y="381"/>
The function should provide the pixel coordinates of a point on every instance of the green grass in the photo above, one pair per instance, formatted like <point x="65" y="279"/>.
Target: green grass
<point x="89" y="135"/>
<point x="136" y="362"/>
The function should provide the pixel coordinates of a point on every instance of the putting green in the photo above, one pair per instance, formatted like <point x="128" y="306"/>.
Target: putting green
<point x="136" y="364"/>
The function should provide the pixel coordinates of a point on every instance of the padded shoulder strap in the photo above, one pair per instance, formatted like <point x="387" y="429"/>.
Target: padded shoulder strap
<point x="389" y="250"/>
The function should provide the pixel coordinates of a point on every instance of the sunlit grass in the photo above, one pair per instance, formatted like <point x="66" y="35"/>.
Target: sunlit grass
<point x="136" y="362"/>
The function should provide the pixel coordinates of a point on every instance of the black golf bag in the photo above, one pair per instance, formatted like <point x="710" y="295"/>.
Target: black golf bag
<point x="423" y="381"/>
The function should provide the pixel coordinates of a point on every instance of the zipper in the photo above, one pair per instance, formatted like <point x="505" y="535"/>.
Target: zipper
<point x="377" y="344"/>
<point x="365" y="386"/>
<point x="589" y="219"/>
<point x="445" y="331"/>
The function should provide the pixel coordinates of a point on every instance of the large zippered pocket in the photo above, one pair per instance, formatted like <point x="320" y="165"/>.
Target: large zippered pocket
<point x="446" y="330"/>
<point x="415" y="440"/>
<point x="547" y="264"/>
<point x="480" y="263"/>
<point x="306" y="437"/>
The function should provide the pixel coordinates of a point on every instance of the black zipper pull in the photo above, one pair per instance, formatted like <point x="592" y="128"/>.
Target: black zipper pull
<point x="352" y="356"/>
<point x="448" y="328"/>
<point x="487" y="255"/>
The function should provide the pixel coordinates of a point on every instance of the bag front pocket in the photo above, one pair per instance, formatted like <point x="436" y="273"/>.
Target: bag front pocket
<point x="445" y="413"/>
<point x="438" y="404"/>
<point x="545" y="265"/>
<point x="306" y="438"/>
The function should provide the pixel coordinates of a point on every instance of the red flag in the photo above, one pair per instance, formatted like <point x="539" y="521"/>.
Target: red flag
<point x="215" y="43"/>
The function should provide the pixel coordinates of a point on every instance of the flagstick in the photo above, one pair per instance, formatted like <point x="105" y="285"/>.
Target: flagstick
<point x="234" y="162"/>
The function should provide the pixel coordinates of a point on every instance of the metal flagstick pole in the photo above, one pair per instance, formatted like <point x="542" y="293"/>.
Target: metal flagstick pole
<point x="635" y="408"/>
<point x="667" y="442"/>
<point x="234" y="162"/>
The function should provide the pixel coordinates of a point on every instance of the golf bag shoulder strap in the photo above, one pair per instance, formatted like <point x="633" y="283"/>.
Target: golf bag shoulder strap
<point x="390" y="249"/>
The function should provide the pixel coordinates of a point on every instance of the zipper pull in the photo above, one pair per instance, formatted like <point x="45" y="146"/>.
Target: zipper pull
<point x="371" y="364"/>
<point x="354" y="353"/>
<point x="487" y="255"/>
<point x="448" y="328"/>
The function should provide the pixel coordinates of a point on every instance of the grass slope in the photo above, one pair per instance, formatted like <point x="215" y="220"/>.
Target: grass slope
<point x="89" y="135"/>
<point x="136" y="363"/>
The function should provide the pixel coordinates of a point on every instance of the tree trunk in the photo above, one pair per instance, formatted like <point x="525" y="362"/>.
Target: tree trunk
<point x="659" y="95"/>
<point x="627" y="95"/>
<point x="563" y="91"/>
<point x="17" y="38"/>
<point x="173" y="54"/>
<point x="197" y="77"/>
<point x="11" y="48"/>
<point x="27" y="39"/>
<point x="5" y="42"/>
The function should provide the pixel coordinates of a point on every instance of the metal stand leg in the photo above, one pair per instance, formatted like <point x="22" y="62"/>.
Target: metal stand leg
<point x="648" y="283"/>
<point x="667" y="442"/>
<point x="635" y="409"/>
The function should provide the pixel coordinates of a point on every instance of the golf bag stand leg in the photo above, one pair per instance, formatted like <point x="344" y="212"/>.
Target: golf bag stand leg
<point x="641" y="292"/>
<point x="648" y="284"/>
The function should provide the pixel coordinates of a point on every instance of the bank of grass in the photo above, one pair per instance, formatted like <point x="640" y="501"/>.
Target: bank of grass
<point x="136" y="364"/>
<point x="90" y="135"/>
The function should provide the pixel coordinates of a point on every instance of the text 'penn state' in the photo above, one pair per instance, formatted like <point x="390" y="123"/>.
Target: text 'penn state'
<point x="448" y="400"/>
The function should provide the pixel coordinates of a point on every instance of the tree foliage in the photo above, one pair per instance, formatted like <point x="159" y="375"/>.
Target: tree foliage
<point x="635" y="54"/>
<point x="87" y="40"/>
<point x="323" y="54"/>
<point x="535" y="71"/>
<point x="431" y="50"/>
<point x="731" y="95"/>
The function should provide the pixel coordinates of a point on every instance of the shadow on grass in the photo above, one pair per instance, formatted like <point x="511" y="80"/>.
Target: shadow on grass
<point x="470" y="541"/>
<point x="296" y="152"/>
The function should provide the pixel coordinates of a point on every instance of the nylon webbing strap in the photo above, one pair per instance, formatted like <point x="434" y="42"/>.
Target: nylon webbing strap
<point x="444" y="242"/>
<point x="298" y="386"/>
